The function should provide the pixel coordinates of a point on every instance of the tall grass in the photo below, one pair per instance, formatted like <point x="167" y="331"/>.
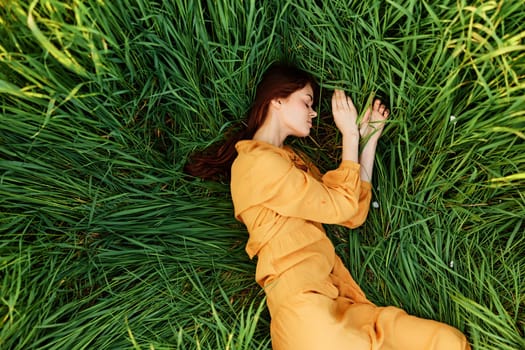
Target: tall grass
<point x="106" y="244"/>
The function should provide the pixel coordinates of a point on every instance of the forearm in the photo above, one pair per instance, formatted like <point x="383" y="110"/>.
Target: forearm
<point x="351" y="146"/>
<point x="366" y="160"/>
<point x="345" y="117"/>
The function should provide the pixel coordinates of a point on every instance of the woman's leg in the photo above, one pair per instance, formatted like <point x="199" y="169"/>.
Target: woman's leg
<point x="391" y="328"/>
<point x="344" y="282"/>
<point x="403" y="331"/>
<point x="307" y="322"/>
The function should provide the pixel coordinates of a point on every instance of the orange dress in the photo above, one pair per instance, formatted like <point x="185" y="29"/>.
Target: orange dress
<point x="313" y="300"/>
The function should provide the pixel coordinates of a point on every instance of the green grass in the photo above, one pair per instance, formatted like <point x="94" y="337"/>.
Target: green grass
<point x="106" y="244"/>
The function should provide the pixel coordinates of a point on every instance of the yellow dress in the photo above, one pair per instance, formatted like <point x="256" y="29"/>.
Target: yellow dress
<point x="313" y="300"/>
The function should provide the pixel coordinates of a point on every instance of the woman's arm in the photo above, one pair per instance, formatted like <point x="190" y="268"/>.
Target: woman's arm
<point x="366" y="159"/>
<point x="345" y="118"/>
<point x="371" y="128"/>
<point x="265" y="176"/>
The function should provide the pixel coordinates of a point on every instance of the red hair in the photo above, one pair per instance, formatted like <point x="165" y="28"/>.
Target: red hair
<point x="279" y="81"/>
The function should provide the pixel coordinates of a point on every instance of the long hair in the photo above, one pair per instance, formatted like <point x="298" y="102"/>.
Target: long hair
<point x="279" y="81"/>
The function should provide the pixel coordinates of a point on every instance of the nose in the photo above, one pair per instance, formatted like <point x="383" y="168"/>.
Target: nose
<point x="313" y="113"/>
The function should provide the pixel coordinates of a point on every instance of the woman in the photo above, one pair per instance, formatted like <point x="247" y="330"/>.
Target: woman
<point x="283" y="200"/>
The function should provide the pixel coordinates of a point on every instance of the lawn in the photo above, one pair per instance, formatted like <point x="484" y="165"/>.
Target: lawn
<point x="106" y="244"/>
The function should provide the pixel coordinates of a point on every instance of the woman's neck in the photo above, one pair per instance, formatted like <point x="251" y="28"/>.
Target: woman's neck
<point x="270" y="132"/>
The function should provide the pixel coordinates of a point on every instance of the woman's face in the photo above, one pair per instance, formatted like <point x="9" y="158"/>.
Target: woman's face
<point x="296" y="112"/>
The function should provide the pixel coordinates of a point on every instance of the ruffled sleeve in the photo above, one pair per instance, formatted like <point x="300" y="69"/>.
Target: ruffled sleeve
<point x="263" y="175"/>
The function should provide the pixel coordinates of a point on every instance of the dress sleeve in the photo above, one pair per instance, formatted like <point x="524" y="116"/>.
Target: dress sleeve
<point x="340" y="197"/>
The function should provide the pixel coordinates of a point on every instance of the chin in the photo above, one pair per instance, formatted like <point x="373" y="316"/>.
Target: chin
<point x="302" y="134"/>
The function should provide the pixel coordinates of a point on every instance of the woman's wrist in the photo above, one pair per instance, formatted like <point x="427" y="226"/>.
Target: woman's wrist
<point x="350" y="133"/>
<point x="371" y="141"/>
<point x="366" y="160"/>
<point x="350" y="147"/>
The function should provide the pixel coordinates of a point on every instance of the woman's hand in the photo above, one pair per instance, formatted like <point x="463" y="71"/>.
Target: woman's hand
<point x="370" y="129"/>
<point x="373" y="121"/>
<point x="345" y="118"/>
<point x="345" y="114"/>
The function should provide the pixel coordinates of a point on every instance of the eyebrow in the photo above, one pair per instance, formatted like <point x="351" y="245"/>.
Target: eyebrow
<point x="311" y="97"/>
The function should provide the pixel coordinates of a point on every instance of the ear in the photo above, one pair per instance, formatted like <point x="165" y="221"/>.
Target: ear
<point x="276" y="103"/>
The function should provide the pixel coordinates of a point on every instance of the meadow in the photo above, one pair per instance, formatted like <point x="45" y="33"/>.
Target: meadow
<point x="105" y="243"/>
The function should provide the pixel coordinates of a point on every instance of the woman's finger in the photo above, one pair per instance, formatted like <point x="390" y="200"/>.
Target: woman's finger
<point x="338" y="103"/>
<point x="334" y="101"/>
<point x="345" y="100"/>
<point x="377" y="104"/>
<point x="349" y="102"/>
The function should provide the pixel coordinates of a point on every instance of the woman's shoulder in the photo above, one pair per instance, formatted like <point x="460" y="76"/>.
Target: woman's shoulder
<point x="260" y="157"/>
<point x="260" y="151"/>
<point x="256" y="146"/>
